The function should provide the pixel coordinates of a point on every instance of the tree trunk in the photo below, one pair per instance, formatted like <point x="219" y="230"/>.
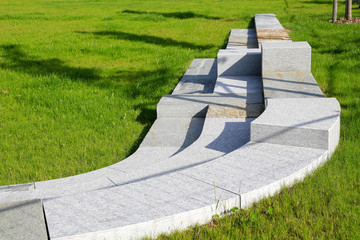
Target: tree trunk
<point x="334" y="15"/>
<point x="348" y="8"/>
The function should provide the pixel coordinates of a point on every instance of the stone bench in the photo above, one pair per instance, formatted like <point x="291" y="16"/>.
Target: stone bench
<point x="268" y="28"/>
<point x="206" y="152"/>
<point x="242" y="38"/>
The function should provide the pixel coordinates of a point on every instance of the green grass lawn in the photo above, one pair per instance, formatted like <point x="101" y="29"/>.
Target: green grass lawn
<point x="80" y="80"/>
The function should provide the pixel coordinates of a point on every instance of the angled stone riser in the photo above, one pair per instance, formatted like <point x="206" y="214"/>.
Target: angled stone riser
<point x="244" y="62"/>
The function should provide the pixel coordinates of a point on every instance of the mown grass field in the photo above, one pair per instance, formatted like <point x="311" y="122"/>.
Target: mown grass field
<point x="80" y="80"/>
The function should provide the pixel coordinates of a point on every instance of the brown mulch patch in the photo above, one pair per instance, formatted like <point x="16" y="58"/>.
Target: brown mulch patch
<point x="354" y="20"/>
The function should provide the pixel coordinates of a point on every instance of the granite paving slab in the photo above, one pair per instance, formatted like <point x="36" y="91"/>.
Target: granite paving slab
<point x="23" y="220"/>
<point x="238" y="84"/>
<point x="92" y="213"/>
<point x="304" y="122"/>
<point x="195" y="105"/>
<point x="240" y="62"/>
<point x="242" y="38"/>
<point x="286" y="56"/>
<point x="199" y="78"/>
<point x="297" y="84"/>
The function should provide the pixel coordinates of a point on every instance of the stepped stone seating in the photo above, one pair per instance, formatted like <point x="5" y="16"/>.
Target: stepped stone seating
<point x="235" y="130"/>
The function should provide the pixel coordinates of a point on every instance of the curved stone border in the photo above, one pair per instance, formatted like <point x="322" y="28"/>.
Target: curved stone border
<point x="180" y="177"/>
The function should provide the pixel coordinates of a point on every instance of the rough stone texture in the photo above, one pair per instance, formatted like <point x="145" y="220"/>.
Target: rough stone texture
<point x="290" y="85"/>
<point x="195" y="105"/>
<point x="242" y="38"/>
<point x="199" y="78"/>
<point x="22" y="220"/>
<point x="251" y="111"/>
<point x="238" y="84"/>
<point x="241" y="62"/>
<point x="286" y="56"/>
<point x="273" y="35"/>
<point x="170" y="132"/>
<point x="267" y="21"/>
<point x="304" y="122"/>
<point x="253" y="171"/>
<point x="268" y="28"/>
<point x="166" y="196"/>
<point x="258" y="170"/>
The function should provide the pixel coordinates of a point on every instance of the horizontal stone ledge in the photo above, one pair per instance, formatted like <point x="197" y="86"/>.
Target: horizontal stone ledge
<point x="302" y="122"/>
<point x="286" y="56"/>
<point x="195" y="105"/>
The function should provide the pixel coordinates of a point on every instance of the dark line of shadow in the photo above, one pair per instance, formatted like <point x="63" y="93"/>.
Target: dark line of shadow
<point x="292" y="91"/>
<point x="288" y="81"/>
<point x="193" y="133"/>
<point x="320" y="2"/>
<point x="178" y="15"/>
<point x="166" y="42"/>
<point x="290" y="128"/>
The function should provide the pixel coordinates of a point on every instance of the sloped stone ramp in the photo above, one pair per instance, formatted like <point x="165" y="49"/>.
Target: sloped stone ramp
<point x="235" y="130"/>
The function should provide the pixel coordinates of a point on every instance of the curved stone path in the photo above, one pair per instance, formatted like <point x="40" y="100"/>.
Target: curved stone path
<point x="235" y="130"/>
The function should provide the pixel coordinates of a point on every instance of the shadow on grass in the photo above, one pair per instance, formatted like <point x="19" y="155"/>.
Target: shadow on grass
<point x="320" y="2"/>
<point x="18" y="60"/>
<point x="165" y="42"/>
<point x="130" y="84"/>
<point x="140" y="83"/>
<point x="178" y="15"/>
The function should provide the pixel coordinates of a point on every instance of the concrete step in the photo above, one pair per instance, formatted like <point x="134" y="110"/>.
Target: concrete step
<point x="242" y="38"/>
<point x="268" y="28"/>
<point x="195" y="105"/>
<point x="286" y="56"/>
<point x="199" y="78"/>
<point x="173" y="132"/>
<point x="299" y="84"/>
<point x="238" y="84"/>
<point x="177" y="199"/>
<point x="23" y="220"/>
<point x="241" y="62"/>
<point x="303" y="122"/>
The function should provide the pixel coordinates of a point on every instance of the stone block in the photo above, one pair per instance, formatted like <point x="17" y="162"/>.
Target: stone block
<point x="286" y="56"/>
<point x="23" y="220"/>
<point x="267" y="21"/>
<point x="238" y="84"/>
<point x="242" y="62"/>
<point x="199" y="78"/>
<point x="195" y="105"/>
<point x="164" y="203"/>
<point x="290" y="85"/>
<point x="173" y="132"/>
<point x="242" y="38"/>
<point x="303" y="122"/>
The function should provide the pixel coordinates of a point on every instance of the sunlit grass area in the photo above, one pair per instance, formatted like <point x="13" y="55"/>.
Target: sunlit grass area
<point x="80" y="80"/>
